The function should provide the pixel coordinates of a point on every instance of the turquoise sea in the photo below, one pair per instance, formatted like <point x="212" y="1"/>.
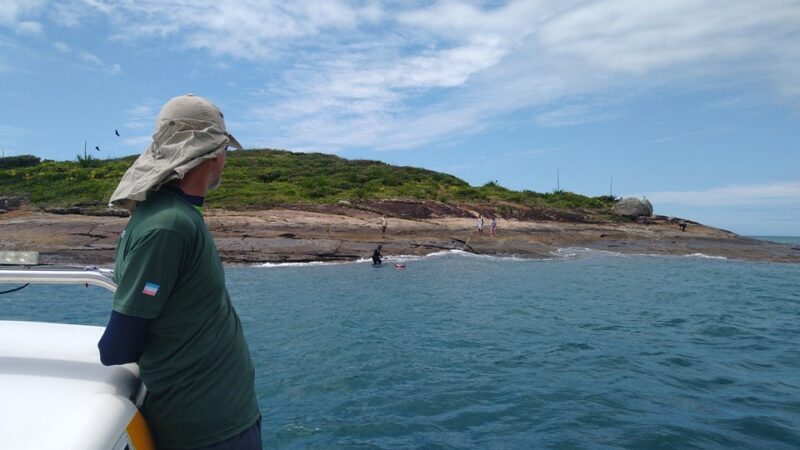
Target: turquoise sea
<point x="584" y="350"/>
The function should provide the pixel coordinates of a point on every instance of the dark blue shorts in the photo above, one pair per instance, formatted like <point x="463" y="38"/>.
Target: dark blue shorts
<point x="249" y="439"/>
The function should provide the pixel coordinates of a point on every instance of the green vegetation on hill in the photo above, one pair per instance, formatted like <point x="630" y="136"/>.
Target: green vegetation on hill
<point x="12" y="162"/>
<point x="259" y="179"/>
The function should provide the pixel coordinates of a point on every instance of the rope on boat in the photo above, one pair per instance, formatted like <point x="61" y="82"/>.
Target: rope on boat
<point x="15" y="289"/>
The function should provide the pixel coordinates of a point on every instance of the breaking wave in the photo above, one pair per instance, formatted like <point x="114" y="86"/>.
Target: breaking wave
<point x="579" y="252"/>
<point x="560" y="253"/>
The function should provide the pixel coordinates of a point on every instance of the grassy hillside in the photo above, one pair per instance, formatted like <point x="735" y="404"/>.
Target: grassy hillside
<point x="256" y="179"/>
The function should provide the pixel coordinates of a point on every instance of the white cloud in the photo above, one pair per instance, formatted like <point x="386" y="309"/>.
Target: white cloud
<point x="13" y="130"/>
<point x="462" y="20"/>
<point x="138" y="141"/>
<point x="771" y="208"/>
<point x="5" y="46"/>
<point x="142" y="116"/>
<point x="523" y="55"/>
<point x="12" y="10"/>
<point x="346" y="74"/>
<point x="495" y="160"/>
<point x="782" y="193"/>
<point x="67" y="14"/>
<point x="634" y="36"/>
<point x="246" y="29"/>
<point x="572" y="114"/>
<point x="90" y="58"/>
<point x="30" y="28"/>
<point x="61" y="47"/>
<point x="95" y="62"/>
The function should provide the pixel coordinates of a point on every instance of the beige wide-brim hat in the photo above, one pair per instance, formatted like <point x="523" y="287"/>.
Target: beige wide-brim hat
<point x="189" y="130"/>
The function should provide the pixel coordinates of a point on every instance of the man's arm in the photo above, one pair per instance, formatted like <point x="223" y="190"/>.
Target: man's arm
<point x="123" y="340"/>
<point x="142" y="289"/>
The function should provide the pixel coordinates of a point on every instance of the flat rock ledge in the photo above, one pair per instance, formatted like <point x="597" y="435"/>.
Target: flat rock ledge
<point x="294" y="235"/>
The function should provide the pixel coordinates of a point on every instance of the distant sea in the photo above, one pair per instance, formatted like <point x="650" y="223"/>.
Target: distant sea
<point x="583" y="350"/>
<point x="790" y="240"/>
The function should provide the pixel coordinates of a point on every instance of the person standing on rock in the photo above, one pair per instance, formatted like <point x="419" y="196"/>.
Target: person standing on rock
<point x="172" y="313"/>
<point x="493" y="226"/>
<point x="479" y="224"/>
<point x="384" y="223"/>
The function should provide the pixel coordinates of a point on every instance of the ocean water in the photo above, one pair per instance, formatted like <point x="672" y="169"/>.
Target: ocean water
<point x="789" y="240"/>
<point x="584" y="350"/>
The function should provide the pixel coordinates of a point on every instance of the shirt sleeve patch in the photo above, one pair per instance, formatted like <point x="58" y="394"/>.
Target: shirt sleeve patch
<point x="150" y="289"/>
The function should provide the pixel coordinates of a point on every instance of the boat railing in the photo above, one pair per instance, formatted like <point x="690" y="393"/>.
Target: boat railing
<point x="23" y="271"/>
<point x="92" y="276"/>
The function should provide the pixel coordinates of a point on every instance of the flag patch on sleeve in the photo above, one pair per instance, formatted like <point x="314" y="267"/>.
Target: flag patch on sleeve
<point x="150" y="289"/>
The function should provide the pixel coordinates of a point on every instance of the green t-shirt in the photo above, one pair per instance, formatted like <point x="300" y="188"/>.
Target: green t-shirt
<point x="195" y="362"/>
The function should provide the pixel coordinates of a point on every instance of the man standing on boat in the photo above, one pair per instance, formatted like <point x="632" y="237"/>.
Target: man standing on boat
<point x="172" y="313"/>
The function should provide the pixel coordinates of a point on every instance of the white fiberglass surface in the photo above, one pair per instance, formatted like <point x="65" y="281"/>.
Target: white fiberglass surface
<point x="55" y="392"/>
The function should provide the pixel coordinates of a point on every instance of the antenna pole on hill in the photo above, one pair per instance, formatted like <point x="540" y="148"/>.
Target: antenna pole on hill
<point x="84" y="149"/>
<point x="611" y="188"/>
<point x="558" y="179"/>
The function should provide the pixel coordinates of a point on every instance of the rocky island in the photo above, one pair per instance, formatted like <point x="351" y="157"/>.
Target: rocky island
<point x="278" y="206"/>
<point x="351" y="232"/>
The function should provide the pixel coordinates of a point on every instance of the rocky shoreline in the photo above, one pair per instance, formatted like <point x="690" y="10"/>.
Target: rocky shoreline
<point x="347" y="233"/>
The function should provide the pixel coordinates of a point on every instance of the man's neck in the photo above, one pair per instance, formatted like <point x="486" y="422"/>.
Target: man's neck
<point x="195" y="200"/>
<point x="191" y="189"/>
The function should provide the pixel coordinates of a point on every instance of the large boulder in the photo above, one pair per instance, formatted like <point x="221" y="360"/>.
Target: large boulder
<point x="633" y="207"/>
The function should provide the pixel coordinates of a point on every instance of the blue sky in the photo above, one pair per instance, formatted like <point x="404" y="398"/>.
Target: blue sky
<point x="693" y="104"/>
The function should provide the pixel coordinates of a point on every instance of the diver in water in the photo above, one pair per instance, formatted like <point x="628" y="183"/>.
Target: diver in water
<point x="376" y="256"/>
